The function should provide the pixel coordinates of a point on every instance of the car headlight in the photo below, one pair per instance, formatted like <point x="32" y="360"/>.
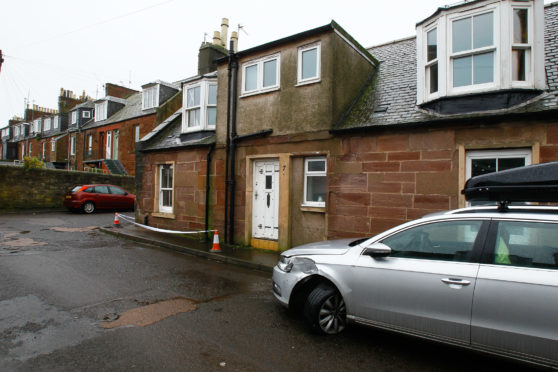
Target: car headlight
<point x="297" y="264"/>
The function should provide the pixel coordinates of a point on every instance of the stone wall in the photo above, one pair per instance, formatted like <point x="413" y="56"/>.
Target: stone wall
<point x="45" y="188"/>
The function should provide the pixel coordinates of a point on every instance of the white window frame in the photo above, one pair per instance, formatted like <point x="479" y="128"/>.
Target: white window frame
<point x="36" y="126"/>
<point x="202" y="107"/>
<point x="313" y="79"/>
<point x="53" y="145"/>
<point x="86" y="114"/>
<point x="29" y="148"/>
<point x="89" y="144"/>
<point x="73" y="145"/>
<point x="55" y="121"/>
<point x="16" y="131"/>
<point x="101" y="110"/>
<point x="260" y="75"/>
<point x="48" y="124"/>
<point x="150" y="97"/>
<point x="435" y="61"/>
<point x="503" y="44"/>
<point x="165" y="208"/>
<point x="307" y="173"/>
<point x="137" y="133"/>
<point x="74" y="117"/>
<point x="44" y="150"/>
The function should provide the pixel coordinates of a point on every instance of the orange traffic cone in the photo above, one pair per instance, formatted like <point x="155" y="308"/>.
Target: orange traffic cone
<point x="216" y="247"/>
<point x="116" y="220"/>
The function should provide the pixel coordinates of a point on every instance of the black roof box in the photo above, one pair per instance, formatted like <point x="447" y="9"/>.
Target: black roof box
<point x="533" y="183"/>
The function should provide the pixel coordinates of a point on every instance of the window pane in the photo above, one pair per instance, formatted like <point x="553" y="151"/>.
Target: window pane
<point x="166" y="198"/>
<point x="270" y="73"/>
<point x="447" y="241"/>
<point x="166" y="176"/>
<point x="509" y="163"/>
<point x="462" y="35"/>
<point x="482" y="166"/>
<point x="484" y="68"/>
<point x="527" y="244"/>
<point x="315" y="188"/>
<point x="462" y="71"/>
<point x="433" y="77"/>
<point x="211" y="116"/>
<point x="520" y="26"/>
<point x="483" y="30"/>
<point x="212" y="95"/>
<point x="101" y="189"/>
<point x="117" y="190"/>
<point x="310" y="63"/>
<point x="193" y="97"/>
<point x="250" y="78"/>
<point x="518" y="64"/>
<point x="432" y="51"/>
<point x="316" y="165"/>
<point x="194" y="118"/>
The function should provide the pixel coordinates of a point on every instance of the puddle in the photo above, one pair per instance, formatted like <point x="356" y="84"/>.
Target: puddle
<point x="152" y="313"/>
<point x="74" y="229"/>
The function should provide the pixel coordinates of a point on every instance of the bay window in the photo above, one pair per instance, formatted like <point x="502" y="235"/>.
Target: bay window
<point x="199" y="106"/>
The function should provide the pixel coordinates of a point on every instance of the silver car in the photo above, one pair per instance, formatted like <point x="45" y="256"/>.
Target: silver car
<point x="482" y="278"/>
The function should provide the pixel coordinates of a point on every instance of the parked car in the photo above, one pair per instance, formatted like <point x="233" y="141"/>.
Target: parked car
<point x="484" y="278"/>
<point x="89" y="198"/>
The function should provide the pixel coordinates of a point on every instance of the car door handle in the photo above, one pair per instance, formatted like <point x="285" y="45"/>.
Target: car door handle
<point x="456" y="281"/>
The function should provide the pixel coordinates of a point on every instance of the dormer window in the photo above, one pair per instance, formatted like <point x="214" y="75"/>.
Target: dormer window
<point x="199" y="106"/>
<point x="48" y="124"/>
<point x="37" y="126"/>
<point x="74" y="117"/>
<point x="150" y="97"/>
<point x="101" y="110"/>
<point x="261" y="75"/>
<point x="55" y="122"/>
<point x="480" y="47"/>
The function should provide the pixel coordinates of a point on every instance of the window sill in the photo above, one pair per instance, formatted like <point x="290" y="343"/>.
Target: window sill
<point x="249" y="94"/>
<point x="163" y="215"/>
<point x="308" y="82"/>
<point x="312" y="208"/>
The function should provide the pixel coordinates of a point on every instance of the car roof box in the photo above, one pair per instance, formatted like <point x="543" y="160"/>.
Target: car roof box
<point x="533" y="183"/>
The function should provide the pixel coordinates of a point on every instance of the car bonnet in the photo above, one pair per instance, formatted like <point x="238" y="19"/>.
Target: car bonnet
<point x="328" y="247"/>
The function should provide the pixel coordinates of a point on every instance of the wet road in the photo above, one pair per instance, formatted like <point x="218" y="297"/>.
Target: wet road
<point x="72" y="298"/>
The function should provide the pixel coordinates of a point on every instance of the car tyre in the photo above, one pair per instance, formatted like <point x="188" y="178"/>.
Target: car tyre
<point x="89" y="207"/>
<point x="325" y="310"/>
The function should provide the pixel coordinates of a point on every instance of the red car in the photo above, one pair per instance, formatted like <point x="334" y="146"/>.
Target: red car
<point x="88" y="198"/>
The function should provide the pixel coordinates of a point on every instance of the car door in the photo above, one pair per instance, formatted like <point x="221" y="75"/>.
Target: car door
<point x="119" y="197"/>
<point x="103" y="198"/>
<point x="515" y="302"/>
<point x="425" y="286"/>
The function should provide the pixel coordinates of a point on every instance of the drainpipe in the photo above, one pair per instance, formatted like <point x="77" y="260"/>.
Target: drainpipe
<point x="228" y="142"/>
<point x="207" y="171"/>
<point x="233" y="147"/>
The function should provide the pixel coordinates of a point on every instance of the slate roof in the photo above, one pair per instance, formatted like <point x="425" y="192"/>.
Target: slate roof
<point x="390" y="97"/>
<point x="132" y="109"/>
<point x="86" y="104"/>
<point x="168" y="136"/>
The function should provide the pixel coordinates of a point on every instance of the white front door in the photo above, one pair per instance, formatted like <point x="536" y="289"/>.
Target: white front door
<point x="108" y="145"/>
<point x="265" y="210"/>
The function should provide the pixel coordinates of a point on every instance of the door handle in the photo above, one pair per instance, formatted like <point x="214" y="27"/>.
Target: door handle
<point x="456" y="281"/>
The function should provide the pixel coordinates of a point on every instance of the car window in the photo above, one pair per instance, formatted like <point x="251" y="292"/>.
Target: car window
<point x="101" y="189"/>
<point x="89" y="189"/>
<point x="75" y="189"/>
<point x="527" y="244"/>
<point x="448" y="241"/>
<point x="117" y="190"/>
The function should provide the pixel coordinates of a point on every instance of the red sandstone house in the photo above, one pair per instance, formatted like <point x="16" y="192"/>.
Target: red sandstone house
<point x="318" y="138"/>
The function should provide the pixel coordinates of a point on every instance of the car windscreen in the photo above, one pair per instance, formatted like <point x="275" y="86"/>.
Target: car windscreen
<point x="75" y="189"/>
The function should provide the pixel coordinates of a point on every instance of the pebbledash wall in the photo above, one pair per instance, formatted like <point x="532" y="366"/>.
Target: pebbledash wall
<point x="45" y="188"/>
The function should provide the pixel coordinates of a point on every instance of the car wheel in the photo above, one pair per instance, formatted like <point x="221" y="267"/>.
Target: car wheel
<point x="88" y="207"/>
<point x="325" y="310"/>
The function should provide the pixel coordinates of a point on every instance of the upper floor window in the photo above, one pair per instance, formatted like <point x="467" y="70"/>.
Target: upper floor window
<point x="53" y="145"/>
<point x="261" y="75"/>
<point x="37" y="126"/>
<point x="16" y="131"/>
<point x="55" y="122"/>
<point x="476" y="48"/>
<point x="309" y="63"/>
<point x="86" y="114"/>
<point x="48" y="124"/>
<point x="199" y="106"/>
<point x="74" y="117"/>
<point x="101" y="110"/>
<point x="150" y="97"/>
<point x="72" y="145"/>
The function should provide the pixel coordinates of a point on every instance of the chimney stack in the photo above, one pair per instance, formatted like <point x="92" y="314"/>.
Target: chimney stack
<point x="224" y="31"/>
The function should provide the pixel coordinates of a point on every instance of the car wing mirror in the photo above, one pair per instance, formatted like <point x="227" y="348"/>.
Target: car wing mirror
<point x="377" y="250"/>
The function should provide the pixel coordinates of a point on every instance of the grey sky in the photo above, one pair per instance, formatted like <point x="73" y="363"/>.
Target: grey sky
<point x="80" y="45"/>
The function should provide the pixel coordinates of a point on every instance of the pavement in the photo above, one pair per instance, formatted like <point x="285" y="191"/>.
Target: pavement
<point x="250" y="258"/>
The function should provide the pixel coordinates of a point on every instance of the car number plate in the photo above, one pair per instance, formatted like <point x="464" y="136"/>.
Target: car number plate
<point x="68" y="196"/>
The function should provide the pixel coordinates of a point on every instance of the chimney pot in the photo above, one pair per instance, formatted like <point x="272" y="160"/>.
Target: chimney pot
<point x="216" y="38"/>
<point x="224" y="31"/>
<point x="234" y="39"/>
